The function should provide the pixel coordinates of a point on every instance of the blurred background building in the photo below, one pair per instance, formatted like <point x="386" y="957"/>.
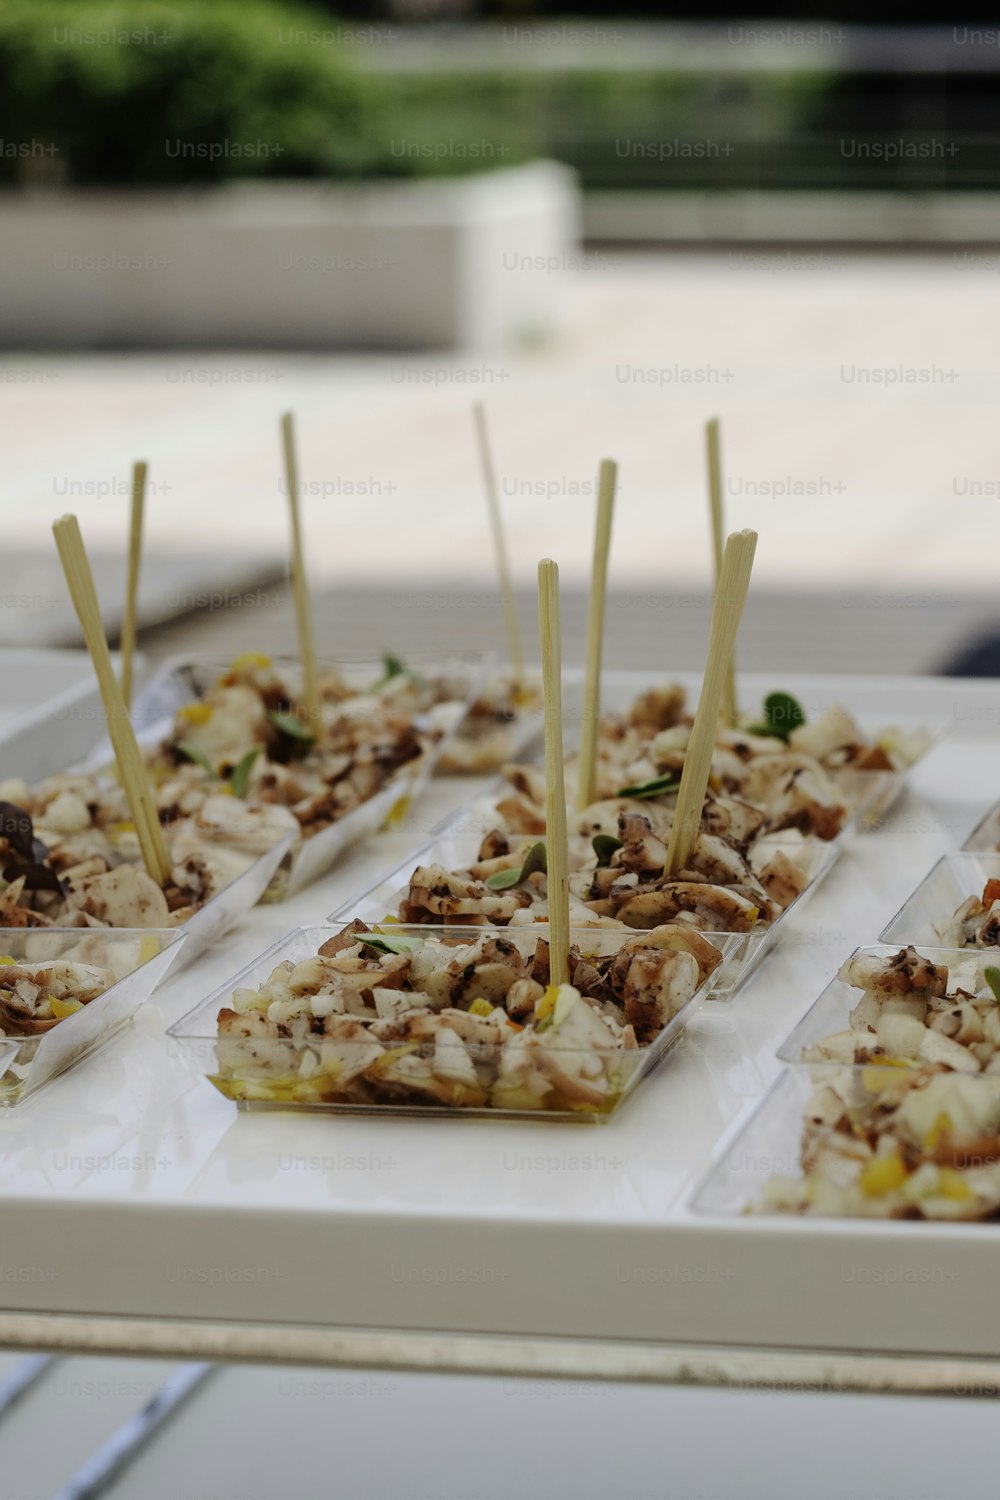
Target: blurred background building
<point x="609" y="223"/>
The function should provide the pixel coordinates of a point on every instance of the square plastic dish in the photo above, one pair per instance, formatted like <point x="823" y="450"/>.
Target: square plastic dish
<point x="923" y="918"/>
<point x="455" y="682"/>
<point x="831" y="1013"/>
<point x="138" y="958"/>
<point x="480" y="748"/>
<point x="287" y="1075"/>
<point x="240" y="896"/>
<point x="766" y="1145"/>
<point x="870" y="794"/>
<point x="455" y="845"/>
<point x="769" y="1145"/>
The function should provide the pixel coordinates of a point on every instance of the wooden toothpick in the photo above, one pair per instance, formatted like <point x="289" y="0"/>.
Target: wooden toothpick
<point x="129" y="619"/>
<point x="713" y="448"/>
<point x="131" y="768"/>
<point x="514" y="645"/>
<point x="730" y="597"/>
<point x="300" y="583"/>
<point x="595" y="634"/>
<point x="556" y="845"/>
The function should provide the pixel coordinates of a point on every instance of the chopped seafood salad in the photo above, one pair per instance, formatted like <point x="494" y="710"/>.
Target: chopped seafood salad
<point x="909" y="1125"/>
<point x="250" y="734"/>
<point x="975" y="923"/>
<point x="70" y="855"/>
<point x="456" y="1021"/>
<point x="497" y="719"/>
<point x="47" y="978"/>
<point x="772" y="798"/>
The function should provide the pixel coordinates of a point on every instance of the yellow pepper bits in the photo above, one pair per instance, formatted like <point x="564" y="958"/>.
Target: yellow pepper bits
<point x="149" y="947"/>
<point x="874" y="1080"/>
<point x="397" y="813"/>
<point x="952" y="1184"/>
<point x="195" y="713"/>
<point x="247" y="659"/>
<point x="5" y="958"/>
<point x="942" y="1126"/>
<point x="547" y="1003"/>
<point x="62" y="1008"/>
<point x="480" y="1007"/>
<point x="883" y="1175"/>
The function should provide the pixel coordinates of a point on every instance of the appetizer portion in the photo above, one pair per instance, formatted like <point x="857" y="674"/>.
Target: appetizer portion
<point x="70" y="856"/>
<point x="34" y="997"/>
<point x="976" y="923"/>
<point x="896" y="1143"/>
<point x="460" y="1022"/>
<point x="904" y="1117"/>
<point x="64" y="993"/>
<point x="248" y="733"/>
<point x="914" y="1011"/>
<point x="504" y="716"/>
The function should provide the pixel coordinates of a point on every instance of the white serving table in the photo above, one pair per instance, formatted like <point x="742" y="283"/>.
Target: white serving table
<point x="142" y="1214"/>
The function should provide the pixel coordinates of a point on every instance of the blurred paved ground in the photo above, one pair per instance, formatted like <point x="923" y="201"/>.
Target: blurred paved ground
<point x="859" y="395"/>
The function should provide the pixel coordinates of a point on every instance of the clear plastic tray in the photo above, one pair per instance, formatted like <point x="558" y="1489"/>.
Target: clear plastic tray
<point x="511" y="739"/>
<point x="942" y="891"/>
<point x="196" y="1032"/>
<point x="831" y="1013"/>
<point x="871" y="794"/>
<point x="140" y="959"/>
<point x="769" y="1144"/>
<point x="233" y="902"/>
<point x="455" y="845"/>
<point x="183" y="679"/>
<point x="764" y="1146"/>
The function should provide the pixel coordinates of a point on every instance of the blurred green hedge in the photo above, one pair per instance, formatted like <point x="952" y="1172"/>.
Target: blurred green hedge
<point x="164" y="92"/>
<point x="144" y="91"/>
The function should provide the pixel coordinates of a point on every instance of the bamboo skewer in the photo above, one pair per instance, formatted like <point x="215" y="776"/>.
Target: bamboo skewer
<point x="730" y="597"/>
<point x="131" y="767"/>
<point x="556" y="845"/>
<point x="300" y="583"/>
<point x="713" y="448"/>
<point x="128" y="633"/>
<point x="514" y="645"/>
<point x="595" y="634"/>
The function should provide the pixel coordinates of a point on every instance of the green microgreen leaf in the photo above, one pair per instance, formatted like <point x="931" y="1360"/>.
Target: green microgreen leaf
<point x="505" y="880"/>
<point x="390" y="944"/>
<point x="992" y="976"/>
<point x="239" y="779"/>
<point x="291" y="726"/>
<point x="605" y="845"/>
<point x="658" y="787"/>
<point x="782" y="715"/>
<point x="393" y="667"/>
<point x="191" y="752"/>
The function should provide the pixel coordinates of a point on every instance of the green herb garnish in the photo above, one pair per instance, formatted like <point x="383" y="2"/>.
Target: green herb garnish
<point x="605" y="845"/>
<point x="390" y="944"/>
<point x="992" y="976"/>
<point x="294" y="728"/>
<point x="191" y="752"/>
<point x="655" y="788"/>
<point x="505" y="880"/>
<point x="782" y="715"/>
<point x="394" y="666"/>
<point x="239" y="779"/>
